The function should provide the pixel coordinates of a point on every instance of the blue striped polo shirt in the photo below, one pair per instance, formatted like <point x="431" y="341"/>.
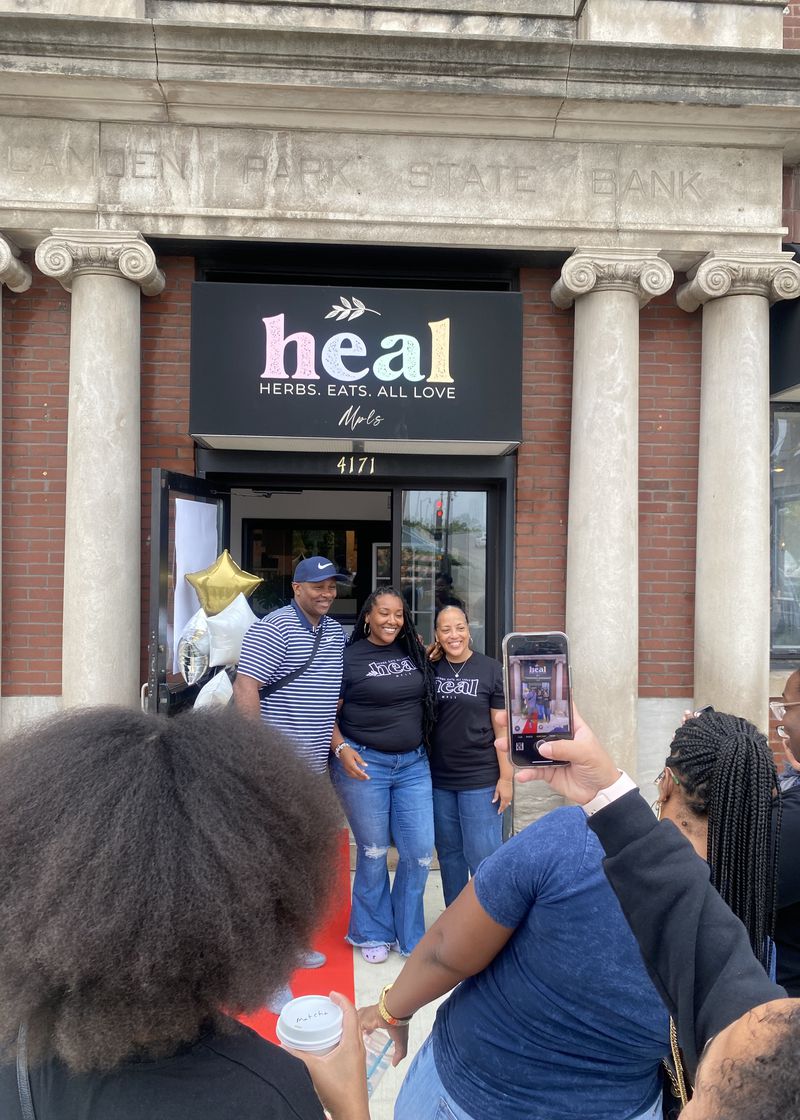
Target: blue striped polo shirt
<point x="304" y="709"/>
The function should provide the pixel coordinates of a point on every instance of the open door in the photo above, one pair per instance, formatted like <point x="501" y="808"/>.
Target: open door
<point x="166" y="691"/>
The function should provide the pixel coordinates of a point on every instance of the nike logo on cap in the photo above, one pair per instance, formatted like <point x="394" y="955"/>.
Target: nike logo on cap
<point x="328" y="565"/>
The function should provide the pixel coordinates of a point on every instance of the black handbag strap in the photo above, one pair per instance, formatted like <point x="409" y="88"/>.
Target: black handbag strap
<point x="23" y="1077"/>
<point x="268" y="689"/>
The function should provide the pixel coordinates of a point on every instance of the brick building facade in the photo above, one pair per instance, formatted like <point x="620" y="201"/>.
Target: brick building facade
<point x="625" y="98"/>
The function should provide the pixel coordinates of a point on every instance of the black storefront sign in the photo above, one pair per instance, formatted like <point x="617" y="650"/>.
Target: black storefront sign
<point x="356" y="369"/>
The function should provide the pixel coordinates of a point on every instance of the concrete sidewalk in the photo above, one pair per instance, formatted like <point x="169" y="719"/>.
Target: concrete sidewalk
<point x="370" y="978"/>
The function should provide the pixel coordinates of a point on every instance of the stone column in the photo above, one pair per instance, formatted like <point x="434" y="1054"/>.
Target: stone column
<point x="732" y="584"/>
<point x="17" y="276"/>
<point x="104" y="270"/>
<point x="607" y="286"/>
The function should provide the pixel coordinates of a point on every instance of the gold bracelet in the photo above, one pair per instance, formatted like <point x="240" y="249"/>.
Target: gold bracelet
<point x="383" y="1011"/>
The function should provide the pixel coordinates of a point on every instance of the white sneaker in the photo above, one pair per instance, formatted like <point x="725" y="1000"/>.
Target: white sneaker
<point x="312" y="959"/>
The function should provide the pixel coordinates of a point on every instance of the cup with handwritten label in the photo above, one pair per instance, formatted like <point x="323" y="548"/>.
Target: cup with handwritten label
<point x="310" y="1023"/>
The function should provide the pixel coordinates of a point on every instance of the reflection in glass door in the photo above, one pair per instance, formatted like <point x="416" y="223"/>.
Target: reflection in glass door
<point x="272" y="550"/>
<point x="443" y="556"/>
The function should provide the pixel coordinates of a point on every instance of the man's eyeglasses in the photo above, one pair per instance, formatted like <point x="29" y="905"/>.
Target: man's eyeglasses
<point x="778" y="707"/>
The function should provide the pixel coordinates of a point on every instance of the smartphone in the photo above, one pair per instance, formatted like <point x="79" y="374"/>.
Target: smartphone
<point x="538" y="694"/>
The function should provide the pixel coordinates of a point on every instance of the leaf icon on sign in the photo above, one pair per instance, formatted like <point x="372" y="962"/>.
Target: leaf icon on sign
<point x="350" y="308"/>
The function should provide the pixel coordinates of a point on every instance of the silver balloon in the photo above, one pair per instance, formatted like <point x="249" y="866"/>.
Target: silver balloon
<point x="194" y="646"/>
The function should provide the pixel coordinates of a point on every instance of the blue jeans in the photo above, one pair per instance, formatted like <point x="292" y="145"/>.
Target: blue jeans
<point x="468" y="829"/>
<point x="395" y="804"/>
<point x="422" y="1095"/>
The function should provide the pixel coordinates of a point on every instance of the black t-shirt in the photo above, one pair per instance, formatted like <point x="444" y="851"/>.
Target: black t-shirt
<point x="463" y="755"/>
<point x="237" y="1076"/>
<point x="382" y="698"/>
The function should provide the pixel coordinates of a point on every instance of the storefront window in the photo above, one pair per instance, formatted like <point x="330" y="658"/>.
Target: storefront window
<point x="785" y="479"/>
<point x="443" y="558"/>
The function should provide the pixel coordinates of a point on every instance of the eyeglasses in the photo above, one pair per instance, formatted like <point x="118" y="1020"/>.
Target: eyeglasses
<point x="779" y="708"/>
<point x="657" y="781"/>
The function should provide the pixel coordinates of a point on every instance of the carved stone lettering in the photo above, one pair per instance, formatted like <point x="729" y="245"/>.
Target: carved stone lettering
<point x="470" y="178"/>
<point x="648" y="184"/>
<point x="207" y="181"/>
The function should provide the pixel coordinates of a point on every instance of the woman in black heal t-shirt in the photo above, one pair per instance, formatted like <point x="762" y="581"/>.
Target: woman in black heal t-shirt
<point x="380" y="771"/>
<point x="472" y="782"/>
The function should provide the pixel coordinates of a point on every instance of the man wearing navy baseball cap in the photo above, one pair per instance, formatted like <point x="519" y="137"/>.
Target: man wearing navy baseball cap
<point x="290" y="670"/>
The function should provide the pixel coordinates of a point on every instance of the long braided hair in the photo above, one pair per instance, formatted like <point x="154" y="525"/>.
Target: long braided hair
<point x="727" y="773"/>
<point x="411" y="642"/>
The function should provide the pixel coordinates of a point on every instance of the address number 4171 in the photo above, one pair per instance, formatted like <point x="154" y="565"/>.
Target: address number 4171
<point x="356" y="464"/>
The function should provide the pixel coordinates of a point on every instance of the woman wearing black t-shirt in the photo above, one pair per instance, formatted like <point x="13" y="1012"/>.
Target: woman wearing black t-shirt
<point x="472" y="782"/>
<point x="381" y="773"/>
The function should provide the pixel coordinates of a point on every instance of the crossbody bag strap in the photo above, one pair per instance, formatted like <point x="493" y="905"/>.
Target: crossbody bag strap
<point x="675" y="1072"/>
<point x="23" y="1077"/>
<point x="268" y="689"/>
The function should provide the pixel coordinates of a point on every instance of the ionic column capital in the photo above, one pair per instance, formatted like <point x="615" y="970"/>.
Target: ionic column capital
<point x="13" y="273"/>
<point x="639" y="271"/>
<point x="771" y="275"/>
<point x="122" y="253"/>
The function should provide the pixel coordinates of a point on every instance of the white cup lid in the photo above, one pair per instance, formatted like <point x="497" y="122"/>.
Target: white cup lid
<point x="310" y="1023"/>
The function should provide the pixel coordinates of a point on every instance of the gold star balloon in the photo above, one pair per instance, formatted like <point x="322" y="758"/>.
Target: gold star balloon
<point x="219" y="585"/>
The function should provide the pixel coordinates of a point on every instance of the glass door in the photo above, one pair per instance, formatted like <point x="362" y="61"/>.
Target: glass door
<point x="443" y="536"/>
<point x="189" y="527"/>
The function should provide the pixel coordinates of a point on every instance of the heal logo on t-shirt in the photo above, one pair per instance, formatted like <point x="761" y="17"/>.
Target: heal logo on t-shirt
<point x="466" y="687"/>
<point x="391" y="668"/>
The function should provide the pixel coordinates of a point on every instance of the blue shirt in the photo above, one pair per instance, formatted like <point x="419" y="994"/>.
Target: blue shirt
<point x="564" y="1024"/>
<point x="304" y="709"/>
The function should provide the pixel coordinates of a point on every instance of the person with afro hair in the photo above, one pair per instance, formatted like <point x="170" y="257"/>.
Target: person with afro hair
<point x="157" y="878"/>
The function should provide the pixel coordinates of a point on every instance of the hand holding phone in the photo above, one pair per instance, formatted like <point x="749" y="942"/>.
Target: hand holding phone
<point x="538" y="694"/>
<point x="590" y="768"/>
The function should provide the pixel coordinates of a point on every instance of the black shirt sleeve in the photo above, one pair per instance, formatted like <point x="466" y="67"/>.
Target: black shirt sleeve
<point x="697" y="952"/>
<point x="789" y="849"/>
<point x="787" y="918"/>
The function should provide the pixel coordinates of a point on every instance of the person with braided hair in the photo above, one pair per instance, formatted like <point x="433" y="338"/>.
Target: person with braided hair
<point x="381" y="773"/>
<point x="719" y="786"/>
<point x="787" y="921"/>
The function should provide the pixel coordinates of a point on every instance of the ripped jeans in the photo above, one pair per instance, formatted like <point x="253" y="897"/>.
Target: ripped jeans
<point x="396" y="804"/>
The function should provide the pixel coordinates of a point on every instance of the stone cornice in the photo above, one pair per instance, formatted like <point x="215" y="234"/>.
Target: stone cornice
<point x="13" y="273"/>
<point x="639" y="271"/>
<point x="122" y="253"/>
<point x="270" y="76"/>
<point x="774" y="276"/>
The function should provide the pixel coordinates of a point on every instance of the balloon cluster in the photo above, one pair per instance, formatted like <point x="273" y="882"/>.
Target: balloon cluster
<point x="213" y="635"/>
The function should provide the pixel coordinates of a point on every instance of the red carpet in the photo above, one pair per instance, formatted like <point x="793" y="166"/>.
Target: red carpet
<point x="337" y="974"/>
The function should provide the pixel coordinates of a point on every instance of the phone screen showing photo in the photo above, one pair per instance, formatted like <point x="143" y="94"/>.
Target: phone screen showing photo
<point x="538" y="698"/>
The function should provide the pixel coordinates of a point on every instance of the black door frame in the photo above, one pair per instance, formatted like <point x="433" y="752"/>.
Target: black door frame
<point x="224" y="470"/>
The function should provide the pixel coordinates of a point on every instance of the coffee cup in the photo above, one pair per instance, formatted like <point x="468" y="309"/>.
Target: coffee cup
<point x="310" y="1023"/>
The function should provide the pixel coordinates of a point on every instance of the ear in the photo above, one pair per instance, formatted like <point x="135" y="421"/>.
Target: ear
<point x="667" y="787"/>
